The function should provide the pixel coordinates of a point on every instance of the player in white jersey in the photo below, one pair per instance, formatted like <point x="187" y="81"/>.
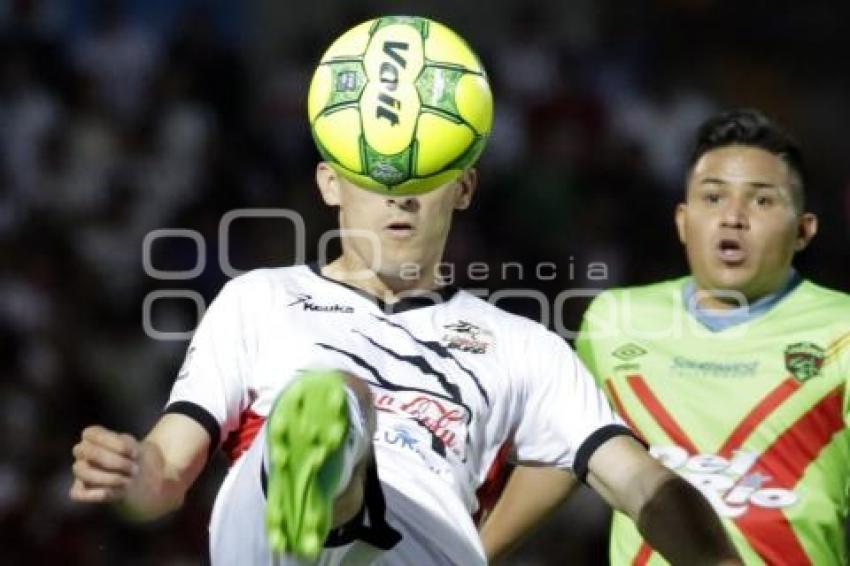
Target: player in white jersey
<point x="452" y="380"/>
<point x="451" y="377"/>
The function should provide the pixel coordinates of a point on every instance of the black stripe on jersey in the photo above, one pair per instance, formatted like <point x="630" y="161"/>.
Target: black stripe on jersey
<point x="384" y="384"/>
<point x="422" y="365"/>
<point x="595" y="440"/>
<point x="442" y="352"/>
<point x="437" y="444"/>
<point x="202" y="417"/>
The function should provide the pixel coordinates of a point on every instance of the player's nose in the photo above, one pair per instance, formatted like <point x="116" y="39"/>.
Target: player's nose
<point x="407" y="204"/>
<point x="734" y="214"/>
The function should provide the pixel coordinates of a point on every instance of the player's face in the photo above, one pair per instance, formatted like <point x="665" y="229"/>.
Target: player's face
<point x="739" y="225"/>
<point x="395" y="236"/>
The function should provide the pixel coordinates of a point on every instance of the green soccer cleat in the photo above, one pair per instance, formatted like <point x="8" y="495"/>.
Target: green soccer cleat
<point x="306" y="435"/>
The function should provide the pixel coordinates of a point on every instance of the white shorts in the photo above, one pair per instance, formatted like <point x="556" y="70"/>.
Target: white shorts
<point x="389" y="530"/>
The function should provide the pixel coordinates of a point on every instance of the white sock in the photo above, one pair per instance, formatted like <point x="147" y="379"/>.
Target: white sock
<point x="356" y="444"/>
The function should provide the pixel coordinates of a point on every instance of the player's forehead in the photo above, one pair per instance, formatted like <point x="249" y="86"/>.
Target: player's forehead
<point x="740" y="165"/>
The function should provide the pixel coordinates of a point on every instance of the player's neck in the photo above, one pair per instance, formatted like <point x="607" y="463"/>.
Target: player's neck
<point x="388" y="288"/>
<point x="714" y="300"/>
<point x="729" y="299"/>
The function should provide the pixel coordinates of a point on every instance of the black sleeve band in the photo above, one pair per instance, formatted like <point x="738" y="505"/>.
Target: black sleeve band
<point x="202" y="417"/>
<point x="594" y="441"/>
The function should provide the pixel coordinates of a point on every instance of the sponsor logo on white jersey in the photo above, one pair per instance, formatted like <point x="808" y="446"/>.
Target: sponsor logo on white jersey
<point x="467" y="337"/>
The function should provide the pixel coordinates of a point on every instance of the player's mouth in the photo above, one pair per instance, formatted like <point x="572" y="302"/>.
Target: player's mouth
<point x="400" y="230"/>
<point x="731" y="251"/>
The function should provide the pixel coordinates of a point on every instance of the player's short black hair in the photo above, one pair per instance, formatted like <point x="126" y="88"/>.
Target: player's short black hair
<point x="752" y="127"/>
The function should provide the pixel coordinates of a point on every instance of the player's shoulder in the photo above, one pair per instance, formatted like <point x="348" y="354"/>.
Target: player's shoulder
<point x="823" y="297"/>
<point x="821" y="307"/>
<point x="662" y="296"/>
<point x="263" y="285"/>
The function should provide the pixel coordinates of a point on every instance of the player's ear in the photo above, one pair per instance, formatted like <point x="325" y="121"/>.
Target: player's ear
<point x="807" y="227"/>
<point x="467" y="183"/>
<point x="681" y="220"/>
<point x="328" y="182"/>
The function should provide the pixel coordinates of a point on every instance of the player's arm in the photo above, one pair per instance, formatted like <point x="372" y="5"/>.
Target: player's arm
<point x="671" y="514"/>
<point x="147" y="478"/>
<point x="529" y="497"/>
<point x="532" y="493"/>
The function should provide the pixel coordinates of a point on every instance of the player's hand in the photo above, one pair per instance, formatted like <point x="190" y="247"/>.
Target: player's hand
<point x="105" y="464"/>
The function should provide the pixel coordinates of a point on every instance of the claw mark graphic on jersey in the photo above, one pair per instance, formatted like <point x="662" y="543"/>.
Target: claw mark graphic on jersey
<point x="422" y="365"/>
<point x="383" y="383"/>
<point x="442" y="352"/>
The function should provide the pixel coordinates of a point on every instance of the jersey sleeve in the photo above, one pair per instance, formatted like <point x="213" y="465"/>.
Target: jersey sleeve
<point x="210" y="386"/>
<point x="565" y="416"/>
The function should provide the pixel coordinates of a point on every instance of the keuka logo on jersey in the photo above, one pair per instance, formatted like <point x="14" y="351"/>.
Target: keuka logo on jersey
<point x="467" y="337"/>
<point x="307" y="302"/>
<point x="804" y="360"/>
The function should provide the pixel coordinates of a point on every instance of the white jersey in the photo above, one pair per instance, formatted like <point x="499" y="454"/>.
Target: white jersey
<point x="453" y="378"/>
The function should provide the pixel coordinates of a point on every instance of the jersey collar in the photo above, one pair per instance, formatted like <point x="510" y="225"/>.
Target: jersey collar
<point x="435" y="297"/>
<point x="718" y="320"/>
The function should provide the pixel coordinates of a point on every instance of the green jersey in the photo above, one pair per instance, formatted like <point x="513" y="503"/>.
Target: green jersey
<point x="755" y="415"/>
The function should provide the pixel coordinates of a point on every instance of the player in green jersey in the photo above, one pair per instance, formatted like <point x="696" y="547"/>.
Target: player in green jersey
<point x="736" y="375"/>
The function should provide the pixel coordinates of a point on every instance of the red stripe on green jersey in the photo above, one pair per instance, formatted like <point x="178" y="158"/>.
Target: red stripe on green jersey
<point x="662" y="417"/>
<point x="768" y="529"/>
<point x="758" y="414"/>
<point x="618" y="406"/>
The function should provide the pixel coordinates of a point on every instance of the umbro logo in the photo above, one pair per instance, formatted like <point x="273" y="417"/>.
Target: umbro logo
<point x="628" y="352"/>
<point x="306" y="301"/>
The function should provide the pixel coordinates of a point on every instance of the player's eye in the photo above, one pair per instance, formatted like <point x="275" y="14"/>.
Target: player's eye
<point x="764" y="201"/>
<point x="711" y="198"/>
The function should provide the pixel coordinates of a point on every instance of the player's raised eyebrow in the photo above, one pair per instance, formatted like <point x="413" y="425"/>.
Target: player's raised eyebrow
<point x="754" y="184"/>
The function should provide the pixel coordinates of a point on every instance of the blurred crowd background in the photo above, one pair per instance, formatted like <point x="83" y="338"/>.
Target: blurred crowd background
<point x="119" y="118"/>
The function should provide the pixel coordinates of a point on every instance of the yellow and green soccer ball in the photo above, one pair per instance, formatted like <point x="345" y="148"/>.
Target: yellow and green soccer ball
<point x="400" y="105"/>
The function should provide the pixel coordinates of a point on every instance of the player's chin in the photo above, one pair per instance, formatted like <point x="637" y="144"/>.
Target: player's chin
<point x="733" y="282"/>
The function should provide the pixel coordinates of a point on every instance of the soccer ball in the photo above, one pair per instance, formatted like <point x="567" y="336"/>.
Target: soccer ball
<point x="400" y="105"/>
